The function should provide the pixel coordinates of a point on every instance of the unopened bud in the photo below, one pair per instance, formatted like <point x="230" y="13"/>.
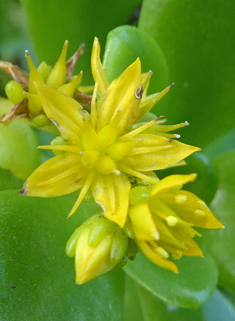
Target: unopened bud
<point x="14" y="92"/>
<point x="139" y="194"/>
<point x="98" y="245"/>
<point x="57" y="75"/>
<point x="41" y="120"/>
<point x="44" y="70"/>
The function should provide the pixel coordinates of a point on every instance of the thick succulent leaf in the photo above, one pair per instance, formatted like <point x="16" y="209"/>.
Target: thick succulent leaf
<point x="132" y="310"/>
<point x="194" y="284"/>
<point x="197" y="40"/>
<point x="51" y="22"/>
<point x="223" y="205"/>
<point x="18" y="152"/>
<point x="156" y="310"/>
<point x="124" y="45"/>
<point x="37" y="278"/>
<point x="9" y="181"/>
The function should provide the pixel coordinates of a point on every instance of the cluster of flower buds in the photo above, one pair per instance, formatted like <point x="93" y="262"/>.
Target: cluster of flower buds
<point x="23" y="94"/>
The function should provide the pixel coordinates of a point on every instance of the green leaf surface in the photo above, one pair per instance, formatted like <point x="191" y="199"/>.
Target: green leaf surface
<point x="197" y="38"/>
<point x="8" y="181"/>
<point x="156" y="310"/>
<point x="223" y="206"/>
<point x="219" y="307"/>
<point x="124" y="45"/>
<point x="194" y="284"/>
<point x="220" y="145"/>
<point x="18" y="152"/>
<point x="37" y="278"/>
<point x="51" y="22"/>
<point x="132" y="305"/>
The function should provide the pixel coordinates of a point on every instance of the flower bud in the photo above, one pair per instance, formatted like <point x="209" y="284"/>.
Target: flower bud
<point x="57" y="75"/>
<point x="98" y="245"/>
<point x="14" y="92"/>
<point x="44" y="70"/>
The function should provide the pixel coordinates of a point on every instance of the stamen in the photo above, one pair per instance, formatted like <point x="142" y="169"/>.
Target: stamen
<point x="116" y="171"/>
<point x="201" y="203"/>
<point x="171" y="221"/>
<point x="199" y="213"/>
<point x="162" y="253"/>
<point x="177" y="255"/>
<point x="180" y="198"/>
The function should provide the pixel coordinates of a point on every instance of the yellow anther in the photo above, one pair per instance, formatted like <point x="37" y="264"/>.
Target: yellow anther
<point x="162" y="253"/>
<point x="180" y="198"/>
<point x="171" y="221"/>
<point x="201" y="203"/>
<point x="199" y="213"/>
<point x="177" y="255"/>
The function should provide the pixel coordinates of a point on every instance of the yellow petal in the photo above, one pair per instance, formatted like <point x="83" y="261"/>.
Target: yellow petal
<point x="193" y="210"/>
<point x="155" y="258"/>
<point x="141" y="219"/>
<point x="172" y="181"/>
<point x="59" y="175"/>
<point x="148" y="102"/>
<point x="120" y="102"/>
<point x="65" y="112"/>
<point x="172" y="152"/>
<point x="111" y="192"/>
<point x="97" y="68"/>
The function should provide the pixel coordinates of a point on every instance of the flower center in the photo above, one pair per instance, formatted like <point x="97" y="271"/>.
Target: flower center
<point x="101" y="150"/>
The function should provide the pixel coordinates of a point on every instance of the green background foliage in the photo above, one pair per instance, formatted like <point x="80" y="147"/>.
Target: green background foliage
<point x="190" y="43"/>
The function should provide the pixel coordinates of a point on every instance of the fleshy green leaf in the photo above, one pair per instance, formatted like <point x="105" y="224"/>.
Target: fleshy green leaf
<point x="194" y="284"/>
<point x="197" y="39"/>
<point x="18" y="152"/>
<point x="51" y="22"/>
<point x="132" y="305"/>
<point x="8" y="181"/>
<point x="156" y="310"/>
<point x="124" y="45"/>
<point x="37" y="278"/>
<point x="223" y="206"/>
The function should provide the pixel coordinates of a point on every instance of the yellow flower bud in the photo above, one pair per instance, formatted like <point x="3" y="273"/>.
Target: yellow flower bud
<point x="98" y="245"/>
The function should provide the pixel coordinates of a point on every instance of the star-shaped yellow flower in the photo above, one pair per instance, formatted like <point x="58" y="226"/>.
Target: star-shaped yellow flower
<point x="102" y="149"/>
<point x="163" y="217"/>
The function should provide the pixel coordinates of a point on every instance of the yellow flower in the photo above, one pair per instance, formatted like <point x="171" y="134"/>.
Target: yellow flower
<point x="98" y="245"/>
<point x="101" y="149"/>
<point x="163" y="217"/>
